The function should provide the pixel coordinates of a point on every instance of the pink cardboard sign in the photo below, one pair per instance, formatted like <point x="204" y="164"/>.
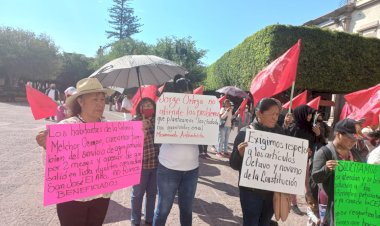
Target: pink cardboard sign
<point x="88" y="159"/>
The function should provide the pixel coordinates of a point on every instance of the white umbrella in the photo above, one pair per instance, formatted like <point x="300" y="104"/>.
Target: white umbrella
<point x="136" y="70"/>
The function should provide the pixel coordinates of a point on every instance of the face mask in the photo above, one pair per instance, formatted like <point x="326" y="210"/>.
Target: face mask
<point x="148" y="113"/>
<point x="246" y="110"/>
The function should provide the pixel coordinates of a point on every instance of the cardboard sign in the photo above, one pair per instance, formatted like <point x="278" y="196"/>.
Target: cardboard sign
<point x="88" y="159"/>
<point x="357" y="194"/>
<point x="274" y="162"/>
<point x="187" y="119"/>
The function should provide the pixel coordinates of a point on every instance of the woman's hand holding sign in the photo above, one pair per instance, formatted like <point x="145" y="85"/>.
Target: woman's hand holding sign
<point x="241" y="148"/>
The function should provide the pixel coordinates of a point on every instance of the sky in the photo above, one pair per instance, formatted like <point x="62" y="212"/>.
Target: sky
<point x="217" y="26"/>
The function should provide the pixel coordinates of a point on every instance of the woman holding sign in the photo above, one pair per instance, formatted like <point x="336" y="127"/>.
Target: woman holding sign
<point x="256" y="204"/>
<point x="86" y="105"/>
<point x="145" y="111"/>
<point x="177" y="172"/>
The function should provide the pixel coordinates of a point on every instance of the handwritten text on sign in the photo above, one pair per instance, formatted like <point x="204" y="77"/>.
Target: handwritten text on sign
<point x="274" y="162"/>
<point x="357" y="197"/>
<point x="187" y="119"/>
<point x="88" y="159"/>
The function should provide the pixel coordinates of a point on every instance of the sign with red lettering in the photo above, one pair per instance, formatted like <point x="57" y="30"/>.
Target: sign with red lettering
<point x="187" y="119"/>
<point x="274" y="162"/>
<point x="88" y="159"/>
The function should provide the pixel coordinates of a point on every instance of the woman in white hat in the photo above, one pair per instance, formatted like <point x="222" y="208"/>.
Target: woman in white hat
<point x="86" y="105"/>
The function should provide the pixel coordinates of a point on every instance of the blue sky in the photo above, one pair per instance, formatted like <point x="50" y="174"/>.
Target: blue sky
<point x="217" y="26"/>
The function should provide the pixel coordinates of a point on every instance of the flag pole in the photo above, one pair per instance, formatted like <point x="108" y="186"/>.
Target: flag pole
<point x="291" y="97"/>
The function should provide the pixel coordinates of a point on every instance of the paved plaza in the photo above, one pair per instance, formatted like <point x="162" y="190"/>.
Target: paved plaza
<point x="21" y="187"/>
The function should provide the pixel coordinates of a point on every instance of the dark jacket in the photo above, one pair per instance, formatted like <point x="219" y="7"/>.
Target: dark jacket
<point x="304" y="129"/>
<point x="325" y="177"/>
<point x="236" y="160"/>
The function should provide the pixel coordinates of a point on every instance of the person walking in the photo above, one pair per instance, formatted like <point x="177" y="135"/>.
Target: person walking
<point x="86" y="105"/>
<point x="55" y="95"/>
<point x="256" y="204"/>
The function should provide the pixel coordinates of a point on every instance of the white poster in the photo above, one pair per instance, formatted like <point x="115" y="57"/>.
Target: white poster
<point x="274" y="162"/>
<point x="187" y="119"/>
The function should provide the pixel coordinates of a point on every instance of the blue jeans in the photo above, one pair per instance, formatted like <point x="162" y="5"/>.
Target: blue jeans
<point x="224" y="134"/>
<point x="257" y="208"/>
<point x="148" y="184"/>
<point x="169" y="182"/>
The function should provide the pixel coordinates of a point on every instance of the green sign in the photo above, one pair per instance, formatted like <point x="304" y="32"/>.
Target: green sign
<point x="357" y="194"/>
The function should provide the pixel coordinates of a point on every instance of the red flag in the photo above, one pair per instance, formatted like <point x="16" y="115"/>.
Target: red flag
<point x="360" y="98"/>
<point x="221" y="100"/>
<point x="277" y="76"/>
<point x="314" y="103"/>
<point x="198" y="90"/>
<point x="242" y="107"/>
<point x="297" y="101"/>
<point x="146" y="92"/>
<point x="346" y="111"/>
<point x="370" y="111"/>
<point x="41" y="105"/>
<point x="161" y="88"/>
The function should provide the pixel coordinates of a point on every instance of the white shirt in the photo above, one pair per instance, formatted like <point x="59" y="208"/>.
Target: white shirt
<point x="374" y="156"/>
<point x="51" y="94"/>
<point x="226" y="115"/>
<point x="181" y="157"/>
<point x="127" y="104"/>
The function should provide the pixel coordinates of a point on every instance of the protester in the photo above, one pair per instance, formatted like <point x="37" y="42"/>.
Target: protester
<point x="374" y="155"/>
<point x="303" y="128"/>
<point x="224" y="128"/>
<point x="288" y="121"/>
<point x="86" y="105"/>
<point x="126" y="106"/>
<point x="203" y="151"/>
<point x="177" y="172"/>
<point x="145" y="111"/>
<point x="54" y="94"/>
<point x="325" y="129"/>
<point x="287" y="124"/>
<point x="62" y="111"/>
<point x="256" y="204"/>
<point x="247" y="118"/>
<point x="325" y="162"/>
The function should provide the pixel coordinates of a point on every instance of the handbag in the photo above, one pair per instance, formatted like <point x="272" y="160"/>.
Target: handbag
<point x="281" y="205"/>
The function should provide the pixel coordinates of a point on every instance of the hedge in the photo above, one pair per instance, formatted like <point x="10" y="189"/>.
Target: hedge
<point x="333" y="62"/>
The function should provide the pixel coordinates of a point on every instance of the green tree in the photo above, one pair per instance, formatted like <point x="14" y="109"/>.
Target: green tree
<point x="129" y="46"/>
<point x="123" y="21"/>
<point x="23" y="54"/>
<point x="74" y="68"/>
<point x="184" y="52"/>
<point x="121" y="48"/>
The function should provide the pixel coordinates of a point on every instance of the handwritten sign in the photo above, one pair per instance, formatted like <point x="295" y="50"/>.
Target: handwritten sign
<point x="88" y="159"/>
<point x="274" y="162"/>
<point x="357" y="194"/>
<point x="187" y="119"/>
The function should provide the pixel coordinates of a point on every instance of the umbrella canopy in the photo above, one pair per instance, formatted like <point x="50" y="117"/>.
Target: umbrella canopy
<point x="233" y="91"/>
<point x="136" y="70"/>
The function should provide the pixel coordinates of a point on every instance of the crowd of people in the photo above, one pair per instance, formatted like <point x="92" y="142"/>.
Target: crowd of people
<point x="172" y="169"/>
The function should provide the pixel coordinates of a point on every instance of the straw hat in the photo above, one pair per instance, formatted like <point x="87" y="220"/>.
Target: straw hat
<point x="88" y="85"/>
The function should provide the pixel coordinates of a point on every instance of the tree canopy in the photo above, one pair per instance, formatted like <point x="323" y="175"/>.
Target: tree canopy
<point x="123" y="21"/>
<point x="23" y="54"/>
<point x="180" y="50"/>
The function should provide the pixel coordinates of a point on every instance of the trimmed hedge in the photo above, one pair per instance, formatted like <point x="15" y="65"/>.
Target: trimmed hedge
<point x="329" y="61"/>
